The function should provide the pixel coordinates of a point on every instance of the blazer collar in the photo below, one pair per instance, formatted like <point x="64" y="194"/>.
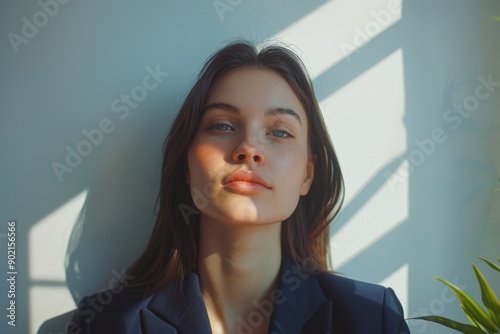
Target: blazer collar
<point x="183" y="315"/>
<point x="304" y="304"/>
<point x="299" y="306"/>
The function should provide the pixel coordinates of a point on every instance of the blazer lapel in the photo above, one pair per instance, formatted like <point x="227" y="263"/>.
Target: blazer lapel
<point x="303" y="307"/>
<point x="171" y="314"/>
<point x="320" y="322"/>
<point x="299" y="307"/>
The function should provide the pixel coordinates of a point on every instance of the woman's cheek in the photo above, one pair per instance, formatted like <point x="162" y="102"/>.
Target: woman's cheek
<point x="290" y="162"/>
<point x="208" y="154"/>
<point x="205" y="162"/>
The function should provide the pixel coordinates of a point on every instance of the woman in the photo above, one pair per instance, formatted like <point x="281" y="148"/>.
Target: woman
<point x="250" y="183"/>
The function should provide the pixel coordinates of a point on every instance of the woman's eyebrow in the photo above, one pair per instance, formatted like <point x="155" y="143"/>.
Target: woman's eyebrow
<point x="269" y="112"/>
<point x="222" y="105"/>
<point x="282" y="111"/>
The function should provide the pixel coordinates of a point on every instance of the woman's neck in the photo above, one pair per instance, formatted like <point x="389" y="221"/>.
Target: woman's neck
<point x="238" y="267"/>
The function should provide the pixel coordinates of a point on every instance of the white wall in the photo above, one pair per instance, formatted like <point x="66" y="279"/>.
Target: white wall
<point x="386" y="73"/>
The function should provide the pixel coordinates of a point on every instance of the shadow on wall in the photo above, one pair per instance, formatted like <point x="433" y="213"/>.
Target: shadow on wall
<point x="114" y="223"/>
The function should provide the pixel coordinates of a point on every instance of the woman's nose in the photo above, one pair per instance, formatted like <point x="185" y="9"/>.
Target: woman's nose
<point x="249" y="150"/>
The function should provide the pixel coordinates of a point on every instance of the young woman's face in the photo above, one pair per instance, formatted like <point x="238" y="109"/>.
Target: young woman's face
<point x="249" y="161"/>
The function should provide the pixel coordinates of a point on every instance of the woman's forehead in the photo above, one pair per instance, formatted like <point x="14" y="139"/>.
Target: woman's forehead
<point x="255" y="88"/>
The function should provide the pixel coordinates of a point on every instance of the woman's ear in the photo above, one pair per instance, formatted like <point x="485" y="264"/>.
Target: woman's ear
<point x="308" y="176"/>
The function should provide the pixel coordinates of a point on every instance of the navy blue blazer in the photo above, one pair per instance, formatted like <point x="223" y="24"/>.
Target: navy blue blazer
<point x="304" y="303"/>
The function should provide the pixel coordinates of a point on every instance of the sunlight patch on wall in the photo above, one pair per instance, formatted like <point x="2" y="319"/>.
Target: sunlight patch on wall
<point x="47" y="302"/>
<point x="365" y="121"/>
<point x="48" y="243"/>
<point x="338" y="28"/>
<point x="383" y="212"/>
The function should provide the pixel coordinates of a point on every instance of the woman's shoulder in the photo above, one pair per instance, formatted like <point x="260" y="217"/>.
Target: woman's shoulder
<point x="355" y="301"/>
<point x="107" y="310"/>
<point x="337" y="285"/>
<point x="350" y="291"/>
<point x="130" y="311"/>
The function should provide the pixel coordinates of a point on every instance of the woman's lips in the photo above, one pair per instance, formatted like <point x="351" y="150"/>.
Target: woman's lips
<point x="245" y="182"/>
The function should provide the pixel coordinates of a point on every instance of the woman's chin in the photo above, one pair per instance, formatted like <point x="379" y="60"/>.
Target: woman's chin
<point x="243" y="216"/>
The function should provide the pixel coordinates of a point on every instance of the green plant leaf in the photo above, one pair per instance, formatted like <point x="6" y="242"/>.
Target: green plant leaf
<point x="473" y="308"/>
<point x="496" y="18"/>
<point x="464" y="328"/>
<point x="490" y="299"/>
<point x="488" y="262"/>
<point x="472" y="321"/>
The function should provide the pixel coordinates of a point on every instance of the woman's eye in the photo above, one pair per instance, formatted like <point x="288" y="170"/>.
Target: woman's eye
<point x="221" y="127"/>
<point x="280" y="134"/>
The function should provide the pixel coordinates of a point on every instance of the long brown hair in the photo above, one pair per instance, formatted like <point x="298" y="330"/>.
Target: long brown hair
<point x="172" y="251"/>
